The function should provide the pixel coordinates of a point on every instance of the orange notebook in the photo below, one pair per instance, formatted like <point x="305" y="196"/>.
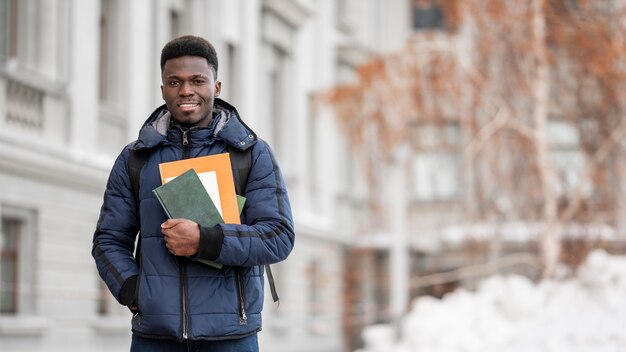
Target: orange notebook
<point x="216" y="175"/>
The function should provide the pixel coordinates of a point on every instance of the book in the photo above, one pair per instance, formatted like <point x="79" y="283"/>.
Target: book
<point x="216" y="175"/>
<point x="185" y="197"/>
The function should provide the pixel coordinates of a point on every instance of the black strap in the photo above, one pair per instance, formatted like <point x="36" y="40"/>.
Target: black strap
<point x="270" y="279"/>
<point x="136" y="161"/>
<point x="241" y="163"/>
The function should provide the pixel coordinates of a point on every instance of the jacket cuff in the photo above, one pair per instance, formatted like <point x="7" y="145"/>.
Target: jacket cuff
<point x="127" y="292"/>
<point x="211" y="240"/>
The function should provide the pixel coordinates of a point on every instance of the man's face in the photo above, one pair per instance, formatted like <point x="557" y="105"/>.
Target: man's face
<point x="189" y="89"/>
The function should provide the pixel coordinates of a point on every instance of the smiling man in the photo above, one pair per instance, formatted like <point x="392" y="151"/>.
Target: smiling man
<point x="179" y="304"/>
<point x="189" y="89"/>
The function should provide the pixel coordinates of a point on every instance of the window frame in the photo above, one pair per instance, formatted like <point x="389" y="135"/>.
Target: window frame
<point x="13" y="255"/>
<point x="431" y="12"/>
<point x="26" y="292"/>
<point x="437" y="150"/>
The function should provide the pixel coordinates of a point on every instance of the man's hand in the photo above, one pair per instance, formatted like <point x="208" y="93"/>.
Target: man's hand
<point x="182" y="237"/>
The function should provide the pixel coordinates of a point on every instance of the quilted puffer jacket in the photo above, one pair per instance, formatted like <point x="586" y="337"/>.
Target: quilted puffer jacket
<point x="179" y="298"/>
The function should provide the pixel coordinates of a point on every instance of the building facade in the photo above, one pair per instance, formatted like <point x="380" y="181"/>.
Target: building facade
<point x="77" y="80"/>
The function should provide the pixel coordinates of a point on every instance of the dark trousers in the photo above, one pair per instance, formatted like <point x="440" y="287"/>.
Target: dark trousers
<point x="246" y="344"/>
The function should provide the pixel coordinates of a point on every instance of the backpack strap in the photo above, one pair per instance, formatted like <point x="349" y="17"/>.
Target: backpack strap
<point x="241" y="163"/>
<point x="136" y="162"/>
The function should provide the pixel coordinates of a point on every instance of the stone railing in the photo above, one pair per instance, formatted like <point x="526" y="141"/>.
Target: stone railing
<point x="24" y="105"/>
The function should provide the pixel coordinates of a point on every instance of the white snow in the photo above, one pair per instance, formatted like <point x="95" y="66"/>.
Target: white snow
<point x="511" y="313"/>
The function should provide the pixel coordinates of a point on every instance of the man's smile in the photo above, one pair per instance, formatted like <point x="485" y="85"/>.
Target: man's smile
<point x="188" y="106"/>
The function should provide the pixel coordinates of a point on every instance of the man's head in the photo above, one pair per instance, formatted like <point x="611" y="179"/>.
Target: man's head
<point x="189" y="77"/>
<point x="190" y="45"/>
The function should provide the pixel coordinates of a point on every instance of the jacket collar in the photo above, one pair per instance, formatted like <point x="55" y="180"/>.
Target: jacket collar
<point x="229" y="127"/>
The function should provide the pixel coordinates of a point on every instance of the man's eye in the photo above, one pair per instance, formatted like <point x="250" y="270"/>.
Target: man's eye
<point x="174" y="83"/>
<point x="199" y="81"/>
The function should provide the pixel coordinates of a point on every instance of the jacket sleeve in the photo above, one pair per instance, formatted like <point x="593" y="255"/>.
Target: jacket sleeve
<point x="268" y="233"/>
<point x="116" y="230"/>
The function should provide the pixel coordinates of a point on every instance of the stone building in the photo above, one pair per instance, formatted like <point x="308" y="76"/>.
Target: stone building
<point x="78" y="78"/>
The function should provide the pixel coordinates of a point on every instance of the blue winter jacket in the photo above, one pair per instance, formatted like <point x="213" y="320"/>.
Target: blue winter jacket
<point x="177" y="297"/>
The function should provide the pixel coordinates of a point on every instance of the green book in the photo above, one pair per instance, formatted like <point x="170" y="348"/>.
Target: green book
<point x="185" y="197"/>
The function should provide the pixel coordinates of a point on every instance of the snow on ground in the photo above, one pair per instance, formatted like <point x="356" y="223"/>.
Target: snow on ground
<point x="511" y="314"/>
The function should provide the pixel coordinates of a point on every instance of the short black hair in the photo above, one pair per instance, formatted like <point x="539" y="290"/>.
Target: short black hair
<point x="189" y="45"/>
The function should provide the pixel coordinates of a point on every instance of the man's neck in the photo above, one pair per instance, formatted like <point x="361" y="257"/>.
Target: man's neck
<point x="206" y="122"/>
<point x="184" y="126"/>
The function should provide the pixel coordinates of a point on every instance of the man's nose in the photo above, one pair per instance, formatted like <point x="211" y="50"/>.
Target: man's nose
<point x="186" y="89"/>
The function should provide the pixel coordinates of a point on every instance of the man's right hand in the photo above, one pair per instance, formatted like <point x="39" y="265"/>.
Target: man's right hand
<point x="127" y="294"/>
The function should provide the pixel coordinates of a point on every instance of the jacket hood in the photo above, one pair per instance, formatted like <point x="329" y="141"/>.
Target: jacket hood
<point x="228" y="127"/>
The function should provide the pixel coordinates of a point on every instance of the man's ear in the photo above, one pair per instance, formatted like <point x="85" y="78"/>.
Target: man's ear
<point x="218" y="88"/>
<point x="162" y="97"/>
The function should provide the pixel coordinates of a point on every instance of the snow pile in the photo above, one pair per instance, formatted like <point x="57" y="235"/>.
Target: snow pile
<point x="586" y="313"/>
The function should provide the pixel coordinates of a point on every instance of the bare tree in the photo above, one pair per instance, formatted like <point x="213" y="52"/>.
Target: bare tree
<point x="506" y="72"/>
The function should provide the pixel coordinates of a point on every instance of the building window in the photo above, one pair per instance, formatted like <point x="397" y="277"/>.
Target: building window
<point x="277" y="66"/>
<point x="278" y="36"/>
<point x="427" y="15"/>
<point x="178" y="18"/>
<point x="436" y="164"/>
<point x="8" y="29"/>
<point x="566" y="156"/>
<point x="9" y="265"/>
<point x="346" y="15"/>
<point x="18" y="50"/>
<point x="312" y="157"/>
<point x="105" y="18"/>
<point x="17" y="294"/>
<point x="278" y="318"/>
<point x="436" y="175"/>
<point x="276" y="115"/>
<point x="317" y="313"/>
<point x="174" y="23"/>
<point x="229" y="74"/>
<point x="313" y="274"/>
<point x="105" y="300"/>
<point x="110" y="54"/>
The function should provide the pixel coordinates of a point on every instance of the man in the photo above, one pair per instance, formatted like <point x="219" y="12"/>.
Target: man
<point x="178" y="303"/>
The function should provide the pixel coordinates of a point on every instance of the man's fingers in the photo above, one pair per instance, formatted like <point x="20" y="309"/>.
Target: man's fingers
<point x="169" y="248"/>
<point x="168" y="224"/>
<point x="171" y="223"/>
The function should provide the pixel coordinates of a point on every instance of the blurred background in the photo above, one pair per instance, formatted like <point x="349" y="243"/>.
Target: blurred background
<point x="451" y="165"/>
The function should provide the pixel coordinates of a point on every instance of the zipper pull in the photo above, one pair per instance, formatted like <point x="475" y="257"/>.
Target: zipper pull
<point x="243" y="319"/>
<point x="185" y="139"/>
<point x="137" y="318"/>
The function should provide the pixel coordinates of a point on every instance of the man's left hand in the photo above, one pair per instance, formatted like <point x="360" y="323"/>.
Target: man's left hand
<point x="182" y="237"/>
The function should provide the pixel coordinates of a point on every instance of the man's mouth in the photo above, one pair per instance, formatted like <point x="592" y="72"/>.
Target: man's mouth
<point x="188" y="106"/>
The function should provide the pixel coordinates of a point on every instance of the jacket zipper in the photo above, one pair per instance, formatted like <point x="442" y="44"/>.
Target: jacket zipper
<point x="243" y="318"/>
<point x="183" y="286"/>
<point x="185" y="144"/>
<point x="182" y="264"/>
<point x="136" y="315"/>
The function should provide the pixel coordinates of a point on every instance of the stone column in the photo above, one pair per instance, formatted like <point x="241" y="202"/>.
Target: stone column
<point x="141" y="60"/>
<point x="83" y="76"/>
<point x="250" y="65"/>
